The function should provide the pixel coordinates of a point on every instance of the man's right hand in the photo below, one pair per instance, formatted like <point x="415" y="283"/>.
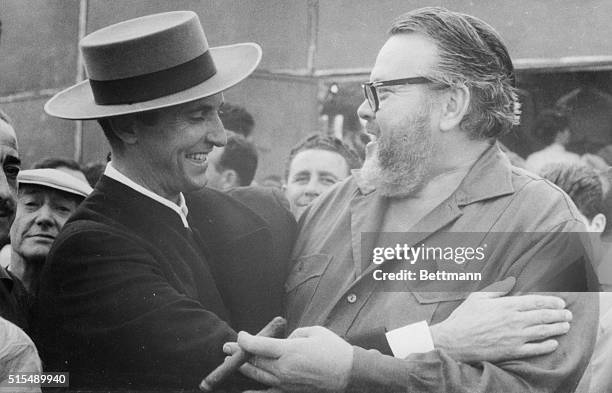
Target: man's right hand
<point x="490" y="327"/>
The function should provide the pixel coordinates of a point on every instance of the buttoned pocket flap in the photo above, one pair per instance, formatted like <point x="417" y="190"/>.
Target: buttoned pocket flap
<point x="438" y="297"/>
<point x="306" y="268"/>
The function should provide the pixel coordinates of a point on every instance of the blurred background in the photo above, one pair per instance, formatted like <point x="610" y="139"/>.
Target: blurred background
<point x="316" y="54"/>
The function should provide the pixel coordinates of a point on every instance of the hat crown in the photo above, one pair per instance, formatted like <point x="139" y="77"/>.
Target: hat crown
<point x="143" y="45"/>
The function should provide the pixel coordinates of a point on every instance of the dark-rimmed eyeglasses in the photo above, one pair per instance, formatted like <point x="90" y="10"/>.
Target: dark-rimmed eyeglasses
<point x="371" y="94"/>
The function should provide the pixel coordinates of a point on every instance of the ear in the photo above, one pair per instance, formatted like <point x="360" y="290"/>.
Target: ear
<point x="229" y="179"/>
<point x="455" y="103"/>
<point x="598" y="223"/>
<point x="125" y="128"/>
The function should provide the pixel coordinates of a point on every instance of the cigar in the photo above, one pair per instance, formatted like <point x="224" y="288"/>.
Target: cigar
<point x="274" y="328"/>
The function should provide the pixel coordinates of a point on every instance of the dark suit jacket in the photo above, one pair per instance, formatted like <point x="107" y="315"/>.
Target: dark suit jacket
<point x="130" y="298"/>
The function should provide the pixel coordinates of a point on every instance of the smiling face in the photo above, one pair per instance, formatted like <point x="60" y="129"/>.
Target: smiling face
<point x="173" y="152"/>
<point x="41" y="214"/>
<point x="312" y="172"/>
<point x="402" y="130"/>
<point x="8" y="178"/>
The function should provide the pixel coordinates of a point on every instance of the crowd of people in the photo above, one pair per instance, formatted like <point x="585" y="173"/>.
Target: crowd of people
<point x="145" y="272"/>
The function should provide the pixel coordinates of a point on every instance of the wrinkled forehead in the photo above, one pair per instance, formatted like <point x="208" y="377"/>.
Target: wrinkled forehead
<point x="405" y="55"/>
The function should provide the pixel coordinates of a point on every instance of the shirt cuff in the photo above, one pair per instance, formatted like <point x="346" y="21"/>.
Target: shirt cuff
<point x="414" y="338"/>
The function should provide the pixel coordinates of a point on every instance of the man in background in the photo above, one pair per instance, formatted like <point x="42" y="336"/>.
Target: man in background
<point x="233" y="165"/>
<point x="552" y="128"/>
<point x="46" y="199"/>
<point x="237" y="119"/>
<point x="314" y="165"/>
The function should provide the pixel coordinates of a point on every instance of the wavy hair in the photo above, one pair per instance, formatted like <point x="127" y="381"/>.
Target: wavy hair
<point x="471" y="54"/>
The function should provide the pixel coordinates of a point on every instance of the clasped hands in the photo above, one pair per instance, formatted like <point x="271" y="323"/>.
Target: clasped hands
<point x="486" y="327"/>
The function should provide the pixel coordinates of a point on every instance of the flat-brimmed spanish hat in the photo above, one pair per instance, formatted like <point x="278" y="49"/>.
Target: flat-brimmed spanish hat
<point x="148" y="63"/>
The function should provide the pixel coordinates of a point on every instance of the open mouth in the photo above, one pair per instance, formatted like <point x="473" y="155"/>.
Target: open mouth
<point x="198" y="158"/>
<point x="373" y="132"/>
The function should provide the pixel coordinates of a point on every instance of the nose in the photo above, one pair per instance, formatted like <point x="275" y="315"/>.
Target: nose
<point x="45" y="216"/>
<point x="313" y="188"/>
<point x="215" y="134"/>
<point x="365" y="112"/>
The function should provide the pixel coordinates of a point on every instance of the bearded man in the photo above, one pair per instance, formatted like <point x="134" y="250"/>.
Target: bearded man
<point x="441" y="93"/>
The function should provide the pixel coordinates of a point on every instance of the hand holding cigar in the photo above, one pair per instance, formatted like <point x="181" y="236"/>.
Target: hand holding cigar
<point x="275" y="328"/>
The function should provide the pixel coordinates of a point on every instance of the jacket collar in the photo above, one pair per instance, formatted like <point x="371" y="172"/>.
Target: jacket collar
<point x="489" y="177"/>
<point x="6" y="278"/>
<point x="180" y="209"/>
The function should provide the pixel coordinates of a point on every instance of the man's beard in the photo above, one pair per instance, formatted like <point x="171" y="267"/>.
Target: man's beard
<point x="401" y="162"/>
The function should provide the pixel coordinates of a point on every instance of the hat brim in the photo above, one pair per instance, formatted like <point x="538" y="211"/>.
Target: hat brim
<point x="233" y="62"/>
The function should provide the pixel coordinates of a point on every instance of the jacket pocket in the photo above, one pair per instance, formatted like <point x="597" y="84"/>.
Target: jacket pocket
<point x="439" y="305"/>
<point x="438" y="297"/>
<point x="302" y="284"/>
<point x="307" y="268"/>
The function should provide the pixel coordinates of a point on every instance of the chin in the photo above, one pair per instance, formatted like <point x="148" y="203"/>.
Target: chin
<point x="195" y="185"/>
<point x="36" y="255"/>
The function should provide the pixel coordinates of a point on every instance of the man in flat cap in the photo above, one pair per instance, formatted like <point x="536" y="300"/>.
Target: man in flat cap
<point x="45" y="200"/>
<point x="145" y="279"/>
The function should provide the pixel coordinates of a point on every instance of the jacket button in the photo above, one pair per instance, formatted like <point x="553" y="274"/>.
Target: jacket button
<point x="352" y="298"/>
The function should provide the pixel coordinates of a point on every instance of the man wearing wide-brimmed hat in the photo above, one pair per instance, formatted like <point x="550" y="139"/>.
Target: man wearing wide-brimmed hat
<point x="142" y="284"/>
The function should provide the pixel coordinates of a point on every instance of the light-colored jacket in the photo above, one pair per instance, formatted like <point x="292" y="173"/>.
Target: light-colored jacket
<point x="527" y="224"/>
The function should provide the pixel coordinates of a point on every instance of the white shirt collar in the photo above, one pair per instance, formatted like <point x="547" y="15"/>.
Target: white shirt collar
<point x="180" y="209"/>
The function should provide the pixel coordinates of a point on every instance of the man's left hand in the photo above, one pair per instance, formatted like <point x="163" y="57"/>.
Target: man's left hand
<point x="312" y="359"/>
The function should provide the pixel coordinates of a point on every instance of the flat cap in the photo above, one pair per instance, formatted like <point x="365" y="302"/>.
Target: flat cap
<point x="54" y="178"/>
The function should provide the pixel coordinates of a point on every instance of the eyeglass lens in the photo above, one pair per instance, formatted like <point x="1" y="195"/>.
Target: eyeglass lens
<point x="370" y="94"/>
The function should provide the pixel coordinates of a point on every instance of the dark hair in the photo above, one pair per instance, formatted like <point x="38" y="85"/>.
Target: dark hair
<point x="328" y="143"/>
<point x="148" y="118"/>
<point x="241" y="156"/>
<point x="236" y="118"/>
<point x="57" y="162"/>
<point x="471" y="54"/>
<point x="580" y="182"/>
<point x="93" y="172"/>
<point x="109" y="133"/>
<point x="548" y="124"/>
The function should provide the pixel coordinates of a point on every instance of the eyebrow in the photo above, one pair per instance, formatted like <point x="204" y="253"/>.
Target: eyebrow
<point x="326" y="173"/>
<point x="302" y="172"/>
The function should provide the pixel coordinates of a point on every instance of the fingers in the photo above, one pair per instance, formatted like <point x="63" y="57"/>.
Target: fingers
<point x="262" y="346"/>
<point x="540" y="317"/>
<point x="230" y="348"/>
<point x="536" y="349"/>
<point x="536" y="302"/>
<point x="259" y="375"/>
<point x="497" y="289"/>
<point x="541" y="332"/>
